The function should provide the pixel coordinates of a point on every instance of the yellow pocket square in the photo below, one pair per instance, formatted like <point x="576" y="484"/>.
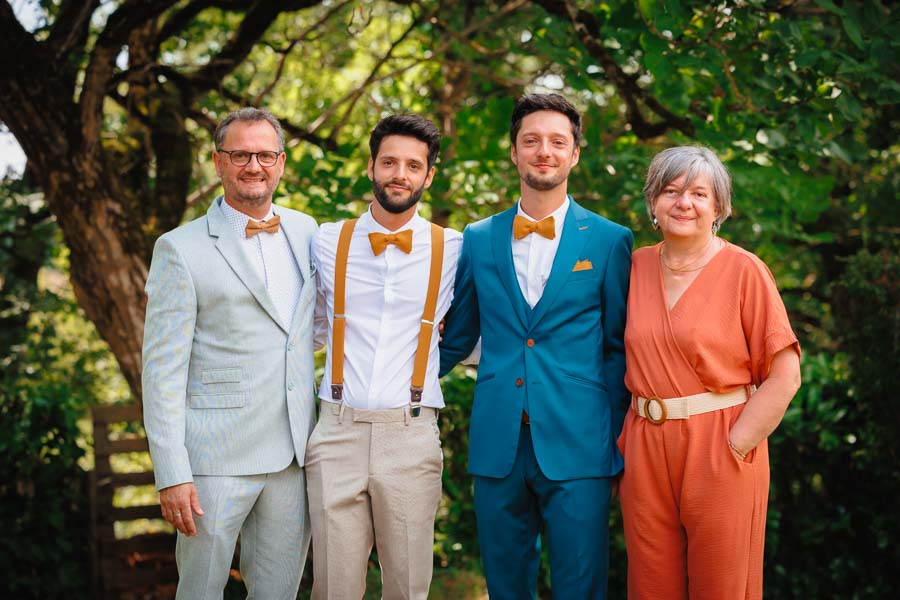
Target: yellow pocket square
<point x="582" y="265"/>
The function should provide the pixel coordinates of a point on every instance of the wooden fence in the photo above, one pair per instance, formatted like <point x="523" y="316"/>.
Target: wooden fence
<point x="143" y="565"/>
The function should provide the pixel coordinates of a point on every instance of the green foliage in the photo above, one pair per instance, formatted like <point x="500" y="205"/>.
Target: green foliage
<point x="50" y="365"/>
<point x="455" y="545"/>
<point x="798" y="98"/>
<point x="835" y="460"/>
<point x="43" y="494"/>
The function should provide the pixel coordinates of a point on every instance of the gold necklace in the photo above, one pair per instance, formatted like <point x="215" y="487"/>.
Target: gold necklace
<point x="662" y="259"/>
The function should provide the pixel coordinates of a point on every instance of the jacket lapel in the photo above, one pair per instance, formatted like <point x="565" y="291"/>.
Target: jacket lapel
<point x="299" y="244"/>
<point x="501" y="236"/>
<point x="228" y="245"/>
<point x="575" y="234"/>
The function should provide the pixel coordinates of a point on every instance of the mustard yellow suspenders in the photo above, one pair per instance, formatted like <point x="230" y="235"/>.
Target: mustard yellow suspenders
<point x="426" y="327"/>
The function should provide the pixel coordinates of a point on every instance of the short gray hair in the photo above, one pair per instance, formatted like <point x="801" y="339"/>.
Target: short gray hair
<point x="249" y="113"/>
<point x="690" y="161"/>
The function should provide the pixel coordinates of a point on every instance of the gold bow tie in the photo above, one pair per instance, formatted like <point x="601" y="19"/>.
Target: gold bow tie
<point x="380" y="241"/>
<point x="254" y="227"/>
<point x="523" y="227"/>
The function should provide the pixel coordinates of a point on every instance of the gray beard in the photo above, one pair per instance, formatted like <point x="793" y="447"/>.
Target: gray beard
<point x="254" y="200"/>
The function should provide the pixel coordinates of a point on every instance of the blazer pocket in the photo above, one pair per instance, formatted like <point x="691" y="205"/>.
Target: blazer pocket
<point x="226" y="375"/>
<point x="203" y="401"/>
<point x="583" y="276"/>
<point x="584" y="380"/>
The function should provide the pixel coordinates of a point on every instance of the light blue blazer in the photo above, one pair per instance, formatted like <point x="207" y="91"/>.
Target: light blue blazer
<point x="563" y="361"/>
<point x="227" y="386"/>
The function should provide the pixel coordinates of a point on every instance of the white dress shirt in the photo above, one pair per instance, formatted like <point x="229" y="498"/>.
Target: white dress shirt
<point x="533" y="255"/>
<point x="385" y="297"/>
<point x="272" y="259"/>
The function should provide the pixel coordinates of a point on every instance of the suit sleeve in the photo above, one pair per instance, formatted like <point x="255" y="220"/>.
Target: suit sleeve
<point x="462" y="324"/>
<point x="320" y="318"/>
<point x="168" y="337"/>
<point x="615" y="300"/>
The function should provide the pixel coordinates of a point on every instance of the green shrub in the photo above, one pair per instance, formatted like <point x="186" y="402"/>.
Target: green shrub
<point x="833" y="523"/>
<point x="43" y="499"/>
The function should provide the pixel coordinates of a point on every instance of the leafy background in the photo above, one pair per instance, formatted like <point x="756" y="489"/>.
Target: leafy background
<point x="799" y="98"/>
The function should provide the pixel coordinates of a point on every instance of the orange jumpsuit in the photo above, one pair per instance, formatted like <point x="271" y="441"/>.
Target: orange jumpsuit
<point x="694" y="513"/>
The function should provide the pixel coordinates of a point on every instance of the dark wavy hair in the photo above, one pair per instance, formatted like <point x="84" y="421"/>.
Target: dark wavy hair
<point x="530" y="103"/>
<point x="409" y="125"/>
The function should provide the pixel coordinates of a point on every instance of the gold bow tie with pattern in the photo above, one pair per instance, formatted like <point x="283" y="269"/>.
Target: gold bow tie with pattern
<point x="401" y="239"/>
<point x="523" y="227"/>
<point x="254" y="227"/>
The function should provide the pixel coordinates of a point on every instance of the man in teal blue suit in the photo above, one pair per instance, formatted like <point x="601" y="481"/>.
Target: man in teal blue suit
<point x="545" y="285"/>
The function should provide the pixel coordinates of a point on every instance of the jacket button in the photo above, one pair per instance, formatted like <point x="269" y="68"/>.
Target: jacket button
<point x="519" y="382"/>
<point x="530" y="343"/>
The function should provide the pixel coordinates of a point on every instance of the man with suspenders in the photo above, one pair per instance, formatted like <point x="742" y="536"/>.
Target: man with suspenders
<point x="374" y="460"/>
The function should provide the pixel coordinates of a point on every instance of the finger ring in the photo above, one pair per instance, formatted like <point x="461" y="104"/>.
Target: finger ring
<point x="178" y="514"/>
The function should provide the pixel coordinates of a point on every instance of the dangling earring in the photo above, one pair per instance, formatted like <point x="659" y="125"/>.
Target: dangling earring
<point x="715" y="227"/>
<point x="654" y="223"/>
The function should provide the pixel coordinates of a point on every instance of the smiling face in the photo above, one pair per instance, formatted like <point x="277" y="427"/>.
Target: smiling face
<point x="249" y="188"/>
<point x="686" y="210"/>
<point x="545" y="151"/>
<point x="400" y="173"/>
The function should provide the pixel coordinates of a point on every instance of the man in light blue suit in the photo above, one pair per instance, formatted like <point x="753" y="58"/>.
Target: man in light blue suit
<point x="228" y="373"/>
<point x="545" y="285"/>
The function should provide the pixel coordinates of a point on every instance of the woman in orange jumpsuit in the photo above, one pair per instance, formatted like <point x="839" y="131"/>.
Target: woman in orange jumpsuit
<point x="712" y="364"/>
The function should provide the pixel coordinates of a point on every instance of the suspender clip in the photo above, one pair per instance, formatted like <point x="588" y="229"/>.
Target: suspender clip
<point x="415" y="399"/>
<point x="337" y="391"/>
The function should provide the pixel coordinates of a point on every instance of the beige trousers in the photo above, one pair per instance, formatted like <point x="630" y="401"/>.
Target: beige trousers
<point x="373" y="476"/>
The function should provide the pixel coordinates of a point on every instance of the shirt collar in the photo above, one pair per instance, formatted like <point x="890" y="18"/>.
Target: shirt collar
<point x="237" y="216"/>
<point x="238" y="220"/>
<point x="368" y="223"/>
<point x="559" y="215"/>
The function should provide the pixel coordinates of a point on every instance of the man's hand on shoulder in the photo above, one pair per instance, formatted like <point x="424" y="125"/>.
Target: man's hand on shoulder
<point x="179" y="503"/>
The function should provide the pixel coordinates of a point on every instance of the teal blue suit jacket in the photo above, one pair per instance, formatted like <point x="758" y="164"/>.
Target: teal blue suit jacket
<point x="563" y="361"/>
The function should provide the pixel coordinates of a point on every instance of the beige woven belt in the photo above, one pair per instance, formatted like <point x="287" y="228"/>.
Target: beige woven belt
<point x="657" y="410"/>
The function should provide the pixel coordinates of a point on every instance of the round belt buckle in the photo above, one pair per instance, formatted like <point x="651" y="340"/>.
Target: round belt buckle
<point x="662" y="411"/>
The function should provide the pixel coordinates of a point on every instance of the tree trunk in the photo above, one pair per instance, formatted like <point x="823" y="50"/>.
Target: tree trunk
<point x="107" y="276"/>
<point x="107" y="249"/>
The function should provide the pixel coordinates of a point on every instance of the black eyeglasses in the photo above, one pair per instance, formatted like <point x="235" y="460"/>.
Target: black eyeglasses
<point x="242" y="158"/>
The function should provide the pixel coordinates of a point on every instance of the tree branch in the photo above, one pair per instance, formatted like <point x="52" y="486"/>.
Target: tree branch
<point x="99" y="72"/>
<point x="587" y="28"/>
<point x="287" y="51"/>
<point x="294" y="131"/>
<point x="254" y="24"/>
<point x="202" y="192"/>
<point x="15" y="41"/>
<point x="183" y="17"/>
<point x="353" y="97"/>
<point x="70" y="31"/>
<point x="509" y="7"/>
